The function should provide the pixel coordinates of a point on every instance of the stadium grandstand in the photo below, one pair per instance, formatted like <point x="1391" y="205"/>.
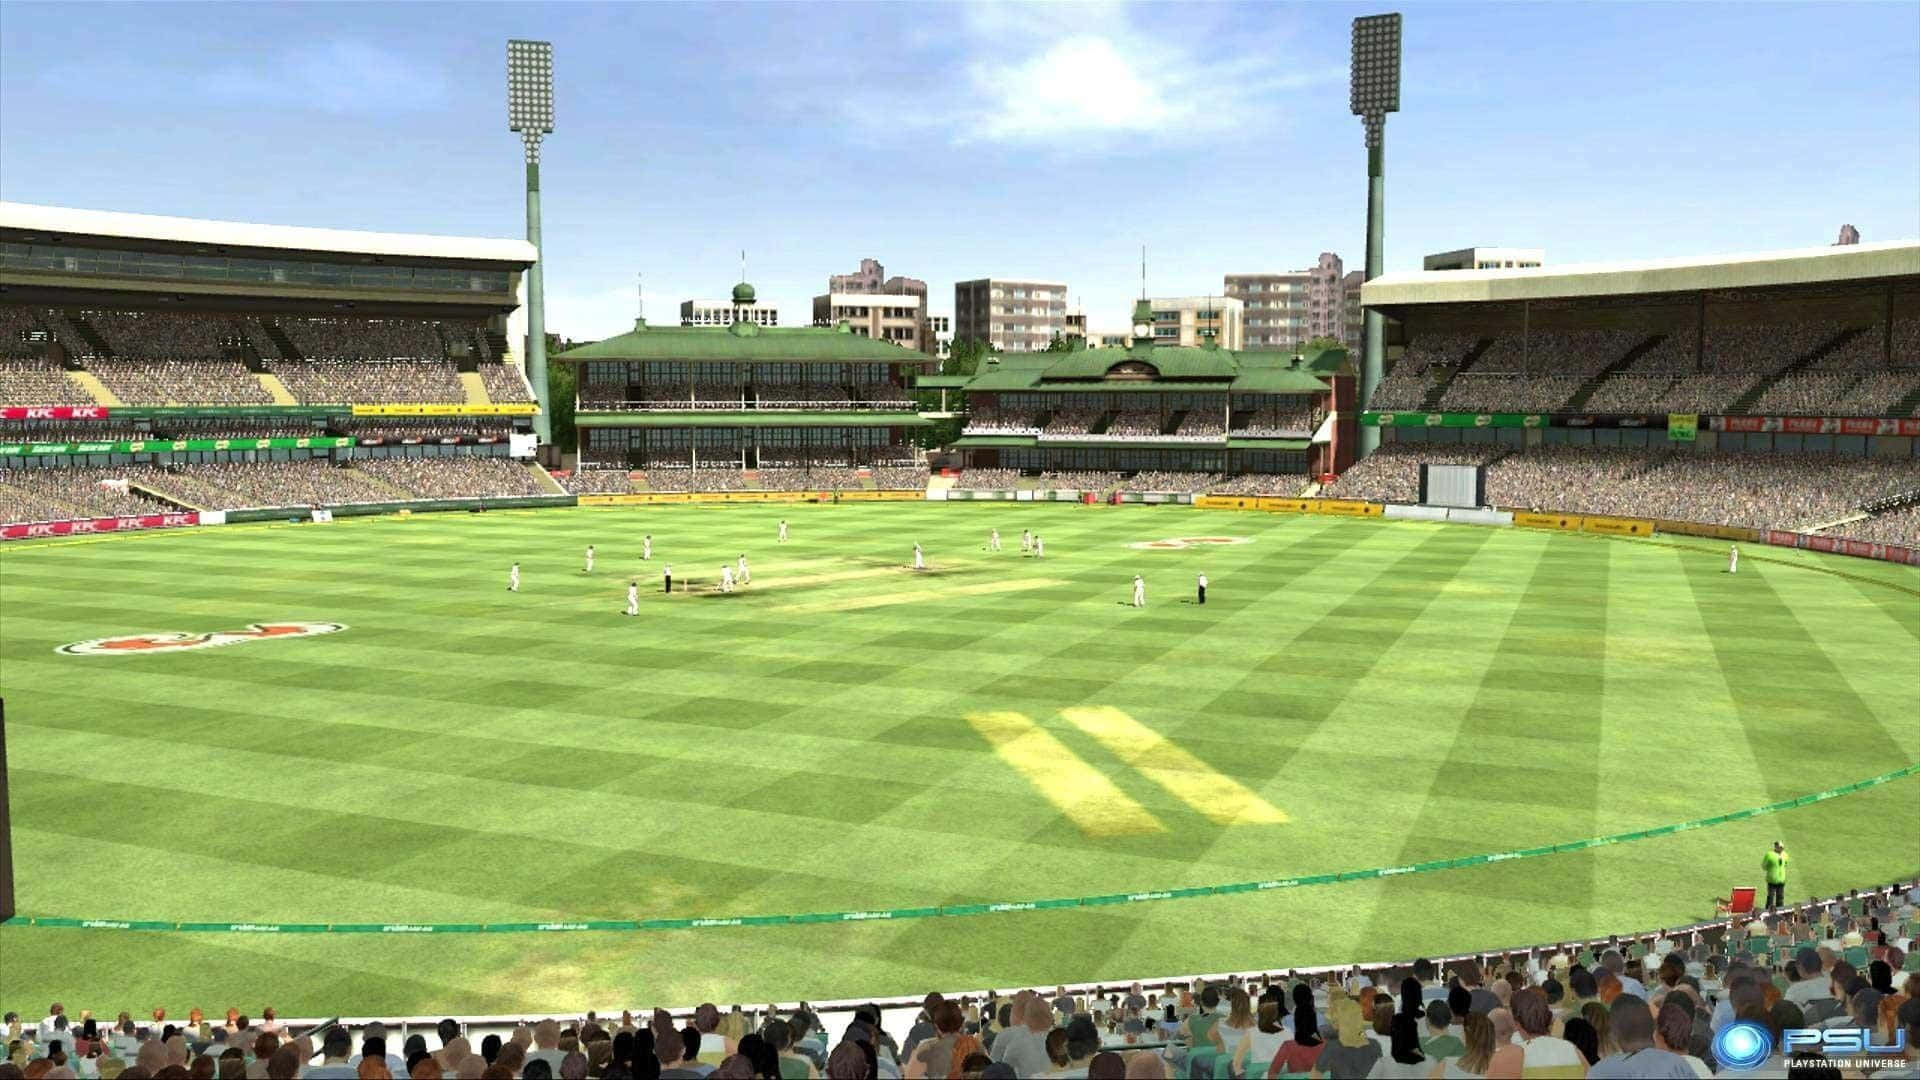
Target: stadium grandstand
<point x="152" y="367"/>
<point x="1151" y="417"/>
<point x="1772" y="391"/>
<point x="745" y="407"/>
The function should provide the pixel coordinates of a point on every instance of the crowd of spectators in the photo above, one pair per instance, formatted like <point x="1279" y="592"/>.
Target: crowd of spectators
<point x="400" y="431"/>
<point x="1002" y="421"/>
<point x="1075" y="421"/>
<point x="1647" y="1006"/>
<point x="209" y="427"/>
<point x="462" y="477"/>
<point x="662" y="477"/>
<point x="1080" y="480"/>
<point x="30" y="495"/>
<point x="180" y="382"/>
<point x="1204" y="423"/>
<point x="237" y="485"/>
<point x="988" y="479"/>
<point x="391" y="382"/>
<point x="1900" y="526"/>
<point x="1167" y="480"/>
<point x="1296" y="420"/>
<point x="1392" y="472"/>
<point x="18" y="328"/>
<point x="159" y="335"/>
<point x="1284" y="484"/>
<point x="1134" y="424"/>
<point x="1476" y="392"/>
<point x="325" y="339"/>
<point x="1879" y="395"/>
<point x="597" y="482"/>
<point x="899" y="477"/>
<point x="504" y="382"/>
<point x="96" y="431"/>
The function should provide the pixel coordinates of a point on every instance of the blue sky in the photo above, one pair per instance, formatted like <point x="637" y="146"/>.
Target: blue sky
<point x="954" y="141"/>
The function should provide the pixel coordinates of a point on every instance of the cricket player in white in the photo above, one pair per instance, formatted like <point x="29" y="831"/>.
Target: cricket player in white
<point x="1733" y="558"/>
<point x="783" y="530"/>
<point x="726" y="578"/>
<point x="1039" y="547"/>
<point x="646" y="547"/>
<point x="919" y="560"/>
<point x="513" y="578"/>
<point x="1139" y="591"/>
<point x="633" y="598"/>
<point x="1026" y="542"/>
<point x="746" y="575"/>
<point x="589" y="568"/>
<point x="1203" y="588"/>
<point x="993" y="540"/>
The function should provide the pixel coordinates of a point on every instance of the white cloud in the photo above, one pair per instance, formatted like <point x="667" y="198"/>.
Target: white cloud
<point x="1081" y="84"/>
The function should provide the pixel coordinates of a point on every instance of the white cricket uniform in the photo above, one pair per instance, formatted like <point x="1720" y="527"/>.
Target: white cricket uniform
<point x="1039" y="548"/>
<point x="726" y="578"/>
<point x="746" y="575"/>
<point x="1026" y="540"/>
<point x="993" y="541"/>
<point x="919" y="560"/>
<point x="1139" y="593"/>
<point x="1733" y="560"/>
<point x="589" y="560"/>
<point x="633" y="599"/>
<point x="513" y="579"/>
<point x="646" y="548"/>
<point x="783" y="532"/>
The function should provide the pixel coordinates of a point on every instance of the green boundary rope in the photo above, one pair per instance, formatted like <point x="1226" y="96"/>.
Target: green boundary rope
<point x="888" y="914"/>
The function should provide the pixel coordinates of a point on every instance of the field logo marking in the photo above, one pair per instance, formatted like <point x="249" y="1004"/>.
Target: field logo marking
<point x="175" y="641"/>
<point x="1180" y="543"/>
<point x="1220" y="798"/>
<point x="1075" y="788"/>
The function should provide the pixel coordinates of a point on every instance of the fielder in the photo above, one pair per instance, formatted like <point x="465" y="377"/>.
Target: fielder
<point x="1039" y="547"/>
<point x="1026" y="542"/>
<point x="1139" y="591"/>
<point x="993" y="540"/>
<point x="646" y="547"/>
<point x="783" y="530"/>
<point x="919" y="559"/>
<point x="746" y="575"/>
<point x="1733" y="558"/>
<point x="513" y="578"/>
<point x="589" y="568"/>
<point x="633" y="598"/>
<point x="726" y="578"/>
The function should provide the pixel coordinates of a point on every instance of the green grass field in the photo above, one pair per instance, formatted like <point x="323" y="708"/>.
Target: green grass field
<point x="847" y="734"/>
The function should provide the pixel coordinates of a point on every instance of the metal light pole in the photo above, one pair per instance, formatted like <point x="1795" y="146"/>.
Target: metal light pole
<point x="1374" y="93"/>
<point x="530" y="112"/>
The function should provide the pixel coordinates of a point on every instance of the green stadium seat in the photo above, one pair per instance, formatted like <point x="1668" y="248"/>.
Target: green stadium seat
<point x="1781" y="981"/>
<point x="1857" y="907"/>
<point x="1257" y="1070"/>
<point x="1913" y="962"/>
<point x="1200" y="1061"/>
<point x="1857" y="956"/>
<point x="1759" y="945"/>
<point x="1638" y="951"/>
<point x="1222" y="1066"/>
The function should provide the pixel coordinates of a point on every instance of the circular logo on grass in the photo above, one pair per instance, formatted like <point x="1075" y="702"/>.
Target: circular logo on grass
<point x="1178" y="543"/>
<point x="177" y="641"/>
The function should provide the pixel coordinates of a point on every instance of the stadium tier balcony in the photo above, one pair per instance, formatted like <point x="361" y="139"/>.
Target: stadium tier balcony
<point x="160" y="335"/>
<point x="39" y="382"/>
<point x="1207" y="423"/>
<point x="1400" y="390"/>
<point x="1474" y="392"/>
<point x="180" y="382"/>
<point x="1579" y="353"/>
<point x="1282" y="484"/>
<point x="1077" y="421"/>
<point x="247" y="485"/>
<point x="1134" y="424"/>
<point x="1877" y="395"/>
<point x="1280" y="421"/>
<point x="21" y="334"/>
<point x="1165" y="480"/>
<point x="1080" y="480"/>
<point x="996" y="420"/>
<point x="1893" y="527"/>
<point x="455" y="477"/>
<point x="334" y="382"/>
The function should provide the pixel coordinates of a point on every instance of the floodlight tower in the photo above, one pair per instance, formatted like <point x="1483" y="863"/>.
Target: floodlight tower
<point x="530" y="112"/>
<point x="1375" y="92"/>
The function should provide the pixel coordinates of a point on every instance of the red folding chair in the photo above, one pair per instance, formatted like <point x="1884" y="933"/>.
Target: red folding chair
<point x="1740" y="903"/>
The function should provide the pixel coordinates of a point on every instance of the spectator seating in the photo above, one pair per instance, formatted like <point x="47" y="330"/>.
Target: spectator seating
<point x="504" y="383"/>
<point x="394" y="382"/>
<point x="988" y="479"/>
<point x="1163" y="480"/>
<point x="1283" y="484"/>
<point x="1080" y="480"/>
<point x="18" y="325"/>
<point x="1392" y="473"/>
<point x="597" y="482"/>
<point x="29" y="495"/>
<point x="180" y="382"/>
<point x="38" y="382"/>
<point x="327" y="339"/>
<point x="461" y="477"/>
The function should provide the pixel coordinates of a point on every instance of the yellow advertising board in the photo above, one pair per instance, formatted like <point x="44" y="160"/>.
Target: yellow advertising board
<point x="1562" y="522"/>
<point x="1614" y="526"/>
<point x="1344" y="507"/>
<point x="520" y="409"/>
<point x="1285" y="506"/>
<point x="886" y="495"/>
<point x="1226" y="502"/>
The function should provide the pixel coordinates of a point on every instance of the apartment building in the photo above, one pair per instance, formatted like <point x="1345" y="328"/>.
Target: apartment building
<point x="894" y="317"/>
<point x="1283" y="310"/>
<point x="1186" y="320"/>
<point x="1009" y="315"/>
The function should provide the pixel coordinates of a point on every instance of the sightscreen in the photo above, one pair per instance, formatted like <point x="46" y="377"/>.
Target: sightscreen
<point x="1453" y="485"/>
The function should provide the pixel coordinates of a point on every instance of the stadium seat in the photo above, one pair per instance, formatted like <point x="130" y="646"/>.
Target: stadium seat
<point x="1857" y="956"/>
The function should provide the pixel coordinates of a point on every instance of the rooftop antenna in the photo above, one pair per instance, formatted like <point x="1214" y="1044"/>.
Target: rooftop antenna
<point x="743" y="264"/>
<point x="1143" y="271"/>
<point x="640" y="290"/>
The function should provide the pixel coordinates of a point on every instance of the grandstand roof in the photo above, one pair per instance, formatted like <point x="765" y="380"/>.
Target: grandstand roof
<point x="1144" y="367"/>
<point x="743" y="342"/>
<point x="1799" y="266"/>
<point x="112" y="225"/>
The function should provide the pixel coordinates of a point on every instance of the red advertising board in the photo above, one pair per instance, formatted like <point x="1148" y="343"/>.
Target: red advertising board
<point x="1783" y="539"/>
<point x="54" y="412"/>
<point x="1817" y="425"/>
<point x="1803" y="425"/>
<point x="1823" y="543"/>
<point x="96" y="525"/>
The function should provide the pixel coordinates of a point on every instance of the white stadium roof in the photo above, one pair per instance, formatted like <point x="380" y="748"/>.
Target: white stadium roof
<point x="1692" y="273"/>
<point x="235" y="234"/>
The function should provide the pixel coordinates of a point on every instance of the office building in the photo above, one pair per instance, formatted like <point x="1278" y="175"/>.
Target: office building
<point x="1010" y="315"/>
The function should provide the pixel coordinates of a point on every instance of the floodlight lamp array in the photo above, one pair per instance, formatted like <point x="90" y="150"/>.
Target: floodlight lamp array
<point x="530" y="87"/>
<point x="1375" y="88"/>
